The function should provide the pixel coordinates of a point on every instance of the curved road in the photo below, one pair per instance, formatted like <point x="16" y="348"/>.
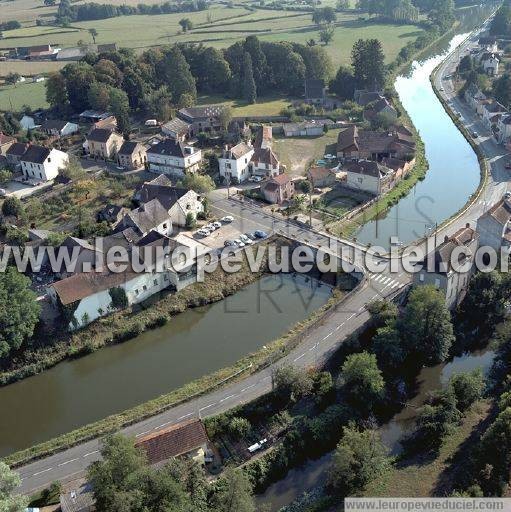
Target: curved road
<point x="318" y="345"/>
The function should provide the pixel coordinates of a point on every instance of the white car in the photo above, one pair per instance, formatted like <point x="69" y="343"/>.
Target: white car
<point x="255" y="179"/>
<point x="239" y="243"/>
<point x="227" y="219"/>
<point x="246" y="240"/>
<point x="210" y="227"/>
<point x="217" y="225"/>
<point x="203" y="232"/>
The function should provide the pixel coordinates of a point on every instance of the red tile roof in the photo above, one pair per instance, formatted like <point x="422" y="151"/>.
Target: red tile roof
<point x="174" y="441"/>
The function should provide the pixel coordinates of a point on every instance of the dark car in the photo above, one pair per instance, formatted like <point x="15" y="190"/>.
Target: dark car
<point x="260" y="234"/>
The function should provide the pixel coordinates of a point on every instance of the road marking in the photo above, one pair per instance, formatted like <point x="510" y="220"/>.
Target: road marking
<point x="207" y="406"/>
<point x="142" y="433"/>
<point x="227" y="398"/>
<point x="248" y="387"/>
<point x="266" y="378"/>
<point x="67" y="462"/>
<point x="185" y="416"/>
<point x="162" y="425"/>
<point x="43" y="471"/>
<point x="298" y="358"/>
<point x="350" y="317"/>
<point x="361" y="308"/>
<point x="91" y="453"/>
<point x="374" y="296"/>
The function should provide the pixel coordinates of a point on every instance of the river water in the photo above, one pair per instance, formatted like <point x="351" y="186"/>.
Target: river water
<point x="190" y="345"/>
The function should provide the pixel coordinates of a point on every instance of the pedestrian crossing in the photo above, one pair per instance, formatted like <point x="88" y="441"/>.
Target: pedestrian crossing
<point x="386" y="281"/>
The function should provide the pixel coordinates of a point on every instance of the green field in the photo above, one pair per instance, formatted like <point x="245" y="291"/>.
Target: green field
<point x="31" y="94"/>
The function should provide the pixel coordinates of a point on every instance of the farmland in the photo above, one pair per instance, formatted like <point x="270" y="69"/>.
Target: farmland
<point x="30" y="94"/>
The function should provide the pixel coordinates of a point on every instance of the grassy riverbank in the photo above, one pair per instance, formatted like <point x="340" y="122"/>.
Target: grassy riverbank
<point x="216" y="287"/>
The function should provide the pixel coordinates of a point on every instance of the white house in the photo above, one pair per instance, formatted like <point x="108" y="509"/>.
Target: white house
<point x="39" y="163"/>
<point x="57" y="128"/>
<point x="150" y="216"/>
<point x="28" y="123"/>
<point x="235" y="162"/>
<point x="474" y="97"/>
<point x="173" y="157"/>
<point x="439" y="269"/>
<point x="367" y="176"/>
<point x="492" y="111"/>
<point x="176" y="129"/>
<point x="504" y="129"/>
<point x="493" y="226"/>
<point x="490" y="64"/>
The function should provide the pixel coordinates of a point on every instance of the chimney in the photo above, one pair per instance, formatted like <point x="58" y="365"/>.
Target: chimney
<point x="446" y="238"/>
<point x="467" y="225"/>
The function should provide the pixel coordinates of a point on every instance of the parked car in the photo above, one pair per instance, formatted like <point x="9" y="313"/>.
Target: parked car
<point x="260" y="234"/>
<point x="508" y="166"/>
<point x="255" y="179"/>
<point x="217" y="225"/>
<point x="239" y="243"/>
<point x="475" y="135"/>
<point x="246" y="240"/>
<point x="227" y="219"/>
<point x="507" y="195"/>
<point x="3" y="192"/>
<point x="203" y="232"/>
<point x="250" y="235"/>
<point x="210" y="227"/>
<point x="229" y="243"/>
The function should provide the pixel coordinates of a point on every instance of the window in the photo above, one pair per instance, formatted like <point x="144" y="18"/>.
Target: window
<point x="165" y="277"/>
<point x="165" y="226"/>
<point x="136" y="291"/>
<point x="155" y="282"/>
<point x="144" y="287"/>
<point x="421" y="277"/>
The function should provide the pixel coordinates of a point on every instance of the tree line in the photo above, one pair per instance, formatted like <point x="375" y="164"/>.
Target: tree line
<point x="68" y="12"/>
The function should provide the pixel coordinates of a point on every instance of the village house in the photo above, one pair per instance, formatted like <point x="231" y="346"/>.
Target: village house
<point x="111" y="213"/>
<point x="321" y="177"/>
<point x="174" y="158"/>
<point x="278" y="189"/>
<point x="6" y="141"/>
<point x="107" y="123"/>
<point x="315" y="92"/>
<point x="149" y="216"/>
<point x="400" y="167"/>
<point x="368" y="176"/>
<point x="93" y="116"/>
<point x="104" y="143"/>
<point x="494" y="226"/>
<point x="176" y="129"/>
<point x="132" y="155"/>
<point x="179" y="202"/>
<point x="380" y="109"/>
<point x="363" y="98"/>
<point x="354" y="144"/>
<point x="203" y="118"/>
<point x="503" y="129"/>
<point x="474" y="97"/>
<point x="28" y="123"/>
<point x="492" y="112"/>
<point x="234" y="164"/>
<point x="41" y="52"/>
<point x="265" y="162"/>
<point x="439" y="270"/>
<point x="14" y="153"/>
<point x="39" y="163"/>
<point x="306" y="128"/>
<point x="490" y="63"/>
<point x="57" y="128"/>
<point x="187" y="439"/>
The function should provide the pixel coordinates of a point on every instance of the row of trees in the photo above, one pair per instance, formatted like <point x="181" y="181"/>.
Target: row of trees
<point x="501" y="22"/>
<point x="68" y="12"/>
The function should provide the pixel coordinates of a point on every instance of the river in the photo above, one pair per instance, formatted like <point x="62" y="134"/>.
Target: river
<point x="453" y="175"/>
<point x="190" y="345"/>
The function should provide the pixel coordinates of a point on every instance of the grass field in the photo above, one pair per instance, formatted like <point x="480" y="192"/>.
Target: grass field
<point x="29" y="68"/>
<point x="268" y="105"/>
<point x="31" y="94"/>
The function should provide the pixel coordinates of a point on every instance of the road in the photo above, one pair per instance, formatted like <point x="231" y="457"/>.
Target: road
<point x="316" y="347"/>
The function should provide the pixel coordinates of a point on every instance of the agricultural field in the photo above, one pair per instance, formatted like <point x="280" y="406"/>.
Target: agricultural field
<point x="28" y="68"/>
<point x="30" y="94"/>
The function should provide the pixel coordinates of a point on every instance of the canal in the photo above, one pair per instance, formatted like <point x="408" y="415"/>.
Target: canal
<point x="190" y="345"/>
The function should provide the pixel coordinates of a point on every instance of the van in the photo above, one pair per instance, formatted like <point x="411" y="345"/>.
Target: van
<point x="151" y="122"/>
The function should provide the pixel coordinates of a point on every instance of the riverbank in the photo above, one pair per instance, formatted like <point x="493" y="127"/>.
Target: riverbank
<point x="253" y="362"/>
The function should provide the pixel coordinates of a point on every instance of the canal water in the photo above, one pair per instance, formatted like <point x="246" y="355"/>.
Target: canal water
<point x="192" y="344"/>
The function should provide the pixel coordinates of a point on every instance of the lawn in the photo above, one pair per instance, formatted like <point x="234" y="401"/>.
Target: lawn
<point x="268" y="105"/>
<point x="296" y="152"/>
<point x="29" y="68"/>
<point x="31" y="94"/>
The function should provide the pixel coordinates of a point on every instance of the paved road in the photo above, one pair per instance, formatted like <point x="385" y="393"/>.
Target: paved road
<point x="316" y="347"/>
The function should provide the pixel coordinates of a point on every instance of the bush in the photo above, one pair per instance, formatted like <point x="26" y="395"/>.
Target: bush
<point x="239" y="427"/>
<point x="467" y="388"/>
<point x="12" y="207"/>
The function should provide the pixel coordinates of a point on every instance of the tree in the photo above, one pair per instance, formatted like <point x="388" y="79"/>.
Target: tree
<point x="368" y="63"/>
<point x="5" y="176"/>
<point x="176" y="73"/>
<point x="94" y="33"/>
<point x="362" y="380"/>
<point x="233" y="493"/>
<point x="56" y="91"/>
<point x="291" y="383"/>
<point x="73" y="169"/>
<point x="120" y="107"/>
<point x="119" y="298"/>
<point x="326" y="34"/>
<point x="9" y="482"/>
<point x="190" y="221"/>
<point x="343" y="85"/>
<point x="239" y="427"/>
<point x="426" y="326"/>
<point x="382" y="311"/>
<point x="248" y="85"/>
<point x="342" y="5"/>
<point x="186" y="24"/>
<point x="359" y="457"/>
<point x="12" y="206"/>
<point x="99" y="96"/>
<point x="225" y="117"/>
<point x="502" y="89"/>
<point x="467" y="388"/>
<point x="12" y="78"/>
<point x="388" y="347"/>
<point x="466" y="64"/>
<point x="19" y="310"/>
<point x="200" y="183"/>
<point x="324" y="15"/>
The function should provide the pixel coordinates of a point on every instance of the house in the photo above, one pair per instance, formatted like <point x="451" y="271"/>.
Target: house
<point x="111" y="213"/>
<point x="83" y="255"/>
<point x="234" y="164"/>
<point x="75" y="53"/>
<point x="238" y="129"/>
<point x="187" y="439"/>
<point x="278" y="189"/>
<point x="173" y="157"/>
<point x="265" y="162"/>
<point x="451" y="277"/>
<point x="149" y="216"/>
<point x="400" y="167"/>
<point x="492" y="112"/>
<point x="80" y="500"/>
<point x="203" y="118"/>
<point x="179" y="202"/>
<point x="108" y="123"/>
<point x="104" y="143"/>
<point x="378" y="110"/>
<point x="321" y="177"/>
<point x="315" y="92"/>
<point x="353" y="144"/>
<point x="6" y="141"/>
<point x="41" y="52"/>
<point x="494" y="226"/>
<point x="503" y="130"/>
<point x="40" y="163"/>
<point x="305" y="128"/>
<point x="14" y="153"/>
<point x="367" y="176"/>
<point x="490" y="63"/>
<point x="176" y="129"/>
<point x="363" y="98"/>
<point x="132" y="155"/>
<point x="56" y="128"/>
<point x="473" y="96"/>
<point x="28" y="123"/>
<point x="93" y="116"/>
